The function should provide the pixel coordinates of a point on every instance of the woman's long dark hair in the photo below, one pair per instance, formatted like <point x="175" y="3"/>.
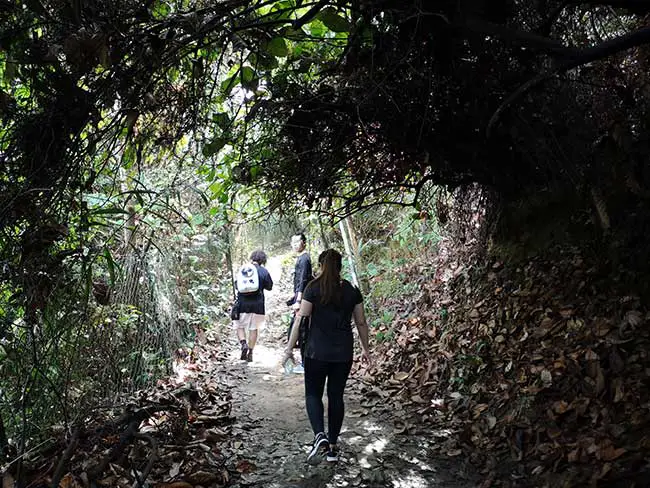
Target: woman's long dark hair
<point x="329" y="278"/>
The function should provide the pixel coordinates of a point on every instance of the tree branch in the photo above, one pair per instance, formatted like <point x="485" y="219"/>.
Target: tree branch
<point x="634" y="5"/>
<point x="595" y="53"/>
<point x="526" y="39"/>
<point x="298" y="23"/>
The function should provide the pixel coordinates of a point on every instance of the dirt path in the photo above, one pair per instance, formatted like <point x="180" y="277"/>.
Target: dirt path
<point x="275" y="434"/>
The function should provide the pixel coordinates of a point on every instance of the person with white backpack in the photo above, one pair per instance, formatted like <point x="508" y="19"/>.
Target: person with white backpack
<point x="251" y="280"/>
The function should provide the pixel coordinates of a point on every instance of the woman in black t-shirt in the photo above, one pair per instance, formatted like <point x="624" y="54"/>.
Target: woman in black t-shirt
<point x="331" y="303"/>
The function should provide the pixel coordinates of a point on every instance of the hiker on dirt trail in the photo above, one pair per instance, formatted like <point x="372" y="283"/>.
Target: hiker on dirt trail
<point x="330" y="303"/>
<point x="302" y="275"/>
<point x="252" y="280"/>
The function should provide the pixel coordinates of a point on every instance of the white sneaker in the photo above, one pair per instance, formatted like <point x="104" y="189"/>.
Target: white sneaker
<point x="332" y="456"/>
<point x="298" y="369"/>
<point x="319" y="449"/>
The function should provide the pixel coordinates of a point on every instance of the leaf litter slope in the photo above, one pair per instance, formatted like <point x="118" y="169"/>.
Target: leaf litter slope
<point x="376" y="448"/>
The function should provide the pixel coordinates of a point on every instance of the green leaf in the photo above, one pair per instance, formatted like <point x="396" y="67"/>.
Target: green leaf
<point x="214" y="146"/>
<point x="247" y="74"/>
<point x="160" y="10"/>
<point x="128" y="156"/>
<point x="264" y="61"/>
<point x="110" y="263"/>
<point x="278" y="47"/>
<point x="293" y="34"/>
<point x="222" y="120"/>
<point x="316" y="28"/>
<point x="109" y="211"/>
<point x="282" y="10"/>
<point x="333" y="20"/>
<point x="216" y="188"/>
<point x="197" y="219"/>
<point x="249" y="80"/>
<point x="228" y="84"/>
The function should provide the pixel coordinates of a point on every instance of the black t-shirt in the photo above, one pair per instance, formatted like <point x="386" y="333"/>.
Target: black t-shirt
<point x="302" y="273"/>
<point x="330" y="333"/>
<point x="254" y="302"/>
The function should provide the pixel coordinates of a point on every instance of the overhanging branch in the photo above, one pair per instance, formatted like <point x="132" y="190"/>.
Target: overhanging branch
<point x="595" y="53"/>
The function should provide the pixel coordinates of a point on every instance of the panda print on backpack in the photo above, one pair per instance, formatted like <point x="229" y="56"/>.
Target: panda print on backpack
<point x="248" y="279"/>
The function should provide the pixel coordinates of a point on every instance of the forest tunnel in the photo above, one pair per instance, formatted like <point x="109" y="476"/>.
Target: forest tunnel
<point x="482" y="165"/>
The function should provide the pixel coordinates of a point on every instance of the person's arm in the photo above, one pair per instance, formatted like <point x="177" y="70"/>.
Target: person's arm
<point x="305" y="311"/>
<point x="268" y="281"/>
<point x="303" y="273"/>
<point x="362" y="326"/>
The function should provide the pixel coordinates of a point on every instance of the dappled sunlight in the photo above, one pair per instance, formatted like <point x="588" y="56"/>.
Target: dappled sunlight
<point x="376" y="446"/>
<point x="267" y="358"/>
<point x="181" y="373"/>
<point x="419" y="463"/>
<point x="370" y="426"/>
<point x="411" y="480"/>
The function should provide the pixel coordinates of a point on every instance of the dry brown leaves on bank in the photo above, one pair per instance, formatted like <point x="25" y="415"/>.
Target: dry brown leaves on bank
<point x="180" y="435"/>
<point x="541" y="372"/>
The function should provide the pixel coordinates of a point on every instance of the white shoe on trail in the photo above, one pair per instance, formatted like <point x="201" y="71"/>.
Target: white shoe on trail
<point x="319" y="449"/>
<point x="332" y="455"/>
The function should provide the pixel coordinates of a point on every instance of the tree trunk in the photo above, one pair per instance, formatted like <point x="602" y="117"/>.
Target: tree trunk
<point x="229" y="259"/>
<point x="358" y="262"/>
<point x="349" y="252"/>
<point x="4" y="443"/>
<point x="323" y="234"/>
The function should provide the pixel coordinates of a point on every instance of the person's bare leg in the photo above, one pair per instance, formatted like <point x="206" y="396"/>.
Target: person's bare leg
<point x="252" y="338"/>
<point x="241" y="334"/>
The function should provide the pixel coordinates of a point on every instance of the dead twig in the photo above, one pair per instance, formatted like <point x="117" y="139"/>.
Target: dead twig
<point x="139" y="480"/>
<point x="65" y="458"/>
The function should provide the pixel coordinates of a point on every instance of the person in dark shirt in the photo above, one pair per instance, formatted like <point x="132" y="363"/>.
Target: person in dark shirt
<point x="330" y="302"/>
<point x="251" y="308"/>
<point x="302" y="271"/>
<point x="302" y="275"/>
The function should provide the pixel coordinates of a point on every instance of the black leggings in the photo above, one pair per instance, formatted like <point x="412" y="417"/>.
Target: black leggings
<point x="337" y="376"/>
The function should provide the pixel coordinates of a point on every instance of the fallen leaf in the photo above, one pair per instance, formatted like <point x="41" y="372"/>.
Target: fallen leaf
<point x="202" y="478"/>
<point x="8" y="481"/>
<point x="175" y="470"/>
<point x="401" y="375"/>
<point x="175" y="484"/>
<point x="418" y="399"/>
<point x="634" y="318"/>
<point x="573" y="456"/>
<point x="245" y="467"/>
<point x="617" y="386"/>
<point x="610" y="453"/>
<point x="566" y="313"/>
<point x="560" y="407"/>
<point x="68" y="481"/>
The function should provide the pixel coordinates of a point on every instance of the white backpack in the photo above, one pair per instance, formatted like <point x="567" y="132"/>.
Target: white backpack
<point x="248" y="279"/>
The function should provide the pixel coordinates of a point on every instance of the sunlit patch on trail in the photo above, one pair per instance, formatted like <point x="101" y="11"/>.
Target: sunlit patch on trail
<point x="411" y="480"/>
<point x="376" y="446"/>
<point x="266" y="358"/>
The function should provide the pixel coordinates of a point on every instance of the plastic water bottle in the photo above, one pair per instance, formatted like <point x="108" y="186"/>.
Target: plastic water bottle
<point x="288" y="366"/>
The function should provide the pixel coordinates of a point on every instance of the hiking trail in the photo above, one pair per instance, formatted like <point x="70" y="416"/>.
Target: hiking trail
<point x="275" y="436"/>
